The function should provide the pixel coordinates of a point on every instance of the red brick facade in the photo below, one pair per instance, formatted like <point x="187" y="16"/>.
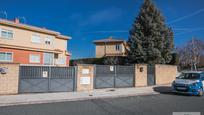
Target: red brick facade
<point x="23" y="56"/>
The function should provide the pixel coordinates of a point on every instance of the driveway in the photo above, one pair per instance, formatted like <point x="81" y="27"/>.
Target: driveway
<point x="160" y="104"/>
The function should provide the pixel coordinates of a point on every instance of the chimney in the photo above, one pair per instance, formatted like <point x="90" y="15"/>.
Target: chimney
<point x="16" y="20"/>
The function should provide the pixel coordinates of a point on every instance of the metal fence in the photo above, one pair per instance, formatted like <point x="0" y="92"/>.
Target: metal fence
<point x="151" y="75"/>
<point x="46" y="79"/>
<point x="107" y="76"/>
<point x="63" y="79"/>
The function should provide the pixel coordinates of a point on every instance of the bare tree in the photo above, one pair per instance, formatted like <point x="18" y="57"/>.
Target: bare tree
<point x="191" y="53"/>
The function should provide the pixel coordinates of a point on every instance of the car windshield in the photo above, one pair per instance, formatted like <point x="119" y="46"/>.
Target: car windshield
<point x="189" y="76"/>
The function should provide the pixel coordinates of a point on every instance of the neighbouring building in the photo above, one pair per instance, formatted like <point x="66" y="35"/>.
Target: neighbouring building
<point x="25" y="44"/>
<point x="110" y="47"/>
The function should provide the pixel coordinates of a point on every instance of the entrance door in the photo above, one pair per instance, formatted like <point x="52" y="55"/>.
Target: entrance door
<point x="110" y="76"/>
<point x="34" y="79"/>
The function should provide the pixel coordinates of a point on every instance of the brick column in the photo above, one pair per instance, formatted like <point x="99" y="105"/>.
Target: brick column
<point x="140" y="75"/>
<point x="9" y="79"/>
<point x="85" y="74"/>
<point x="165" y="74"/>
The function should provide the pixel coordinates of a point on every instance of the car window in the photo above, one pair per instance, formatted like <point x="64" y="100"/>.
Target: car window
<point x="202" y="75"/>
<point x="189" y="76"/>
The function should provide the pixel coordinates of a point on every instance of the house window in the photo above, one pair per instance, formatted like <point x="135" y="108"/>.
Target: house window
<point x="7" y="34"/>
<point x="35" y="39"/>
<point x="34" y="58"/>
<point x="117" y="47"/>
<point x="48" y="40"/>
<point x="6" y="56"/>
<point x="48" y="58"/>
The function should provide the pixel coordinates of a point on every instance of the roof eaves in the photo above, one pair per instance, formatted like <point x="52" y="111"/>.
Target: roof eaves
<point x="64" y="37"/>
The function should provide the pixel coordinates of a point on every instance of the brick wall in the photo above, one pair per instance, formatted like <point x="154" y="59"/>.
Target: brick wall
<point x="85" y="73"/>
<point x="22" y="56"/>
<point x="9" y="81"/>
<point x="165" y="74"/>
<point x="140" y="76"/>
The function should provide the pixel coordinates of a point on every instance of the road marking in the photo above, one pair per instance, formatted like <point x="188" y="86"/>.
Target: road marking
<point x="186" y="113"/>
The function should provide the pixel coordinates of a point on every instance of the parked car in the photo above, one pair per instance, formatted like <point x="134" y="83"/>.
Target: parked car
<point x="190" y="82"/>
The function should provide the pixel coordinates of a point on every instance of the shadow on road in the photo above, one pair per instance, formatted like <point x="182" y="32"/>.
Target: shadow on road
<point x="165" y="90"/>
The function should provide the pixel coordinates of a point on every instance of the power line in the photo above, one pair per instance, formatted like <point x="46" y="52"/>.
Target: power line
<point x="189" y="31"/>
<point x="187" y="16"/>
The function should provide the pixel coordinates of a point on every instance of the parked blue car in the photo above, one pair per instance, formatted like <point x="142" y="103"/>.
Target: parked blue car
<point x="191" y="82"/>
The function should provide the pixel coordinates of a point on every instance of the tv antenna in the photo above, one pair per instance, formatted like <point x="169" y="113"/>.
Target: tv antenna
<point x="23" y="18"/>
<point x="4" y="13"/>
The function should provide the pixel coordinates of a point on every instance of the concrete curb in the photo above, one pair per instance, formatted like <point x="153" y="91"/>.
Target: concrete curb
<point x="76" y="99"/>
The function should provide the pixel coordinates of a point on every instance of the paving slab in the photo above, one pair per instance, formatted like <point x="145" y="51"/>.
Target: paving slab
<point x="36" y="98"/>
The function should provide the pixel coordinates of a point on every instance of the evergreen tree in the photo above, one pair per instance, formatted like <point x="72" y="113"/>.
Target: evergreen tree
<point x="150" y="40"/>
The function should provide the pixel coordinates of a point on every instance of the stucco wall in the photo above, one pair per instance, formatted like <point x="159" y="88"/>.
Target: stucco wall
<point x="165" y="74"/>
<point x="109" y="48"/>
<point x="99" y="50"/>
<point x="140" y="76"/>
<point x="23" y="38"/>
<point x="9" y="81"/>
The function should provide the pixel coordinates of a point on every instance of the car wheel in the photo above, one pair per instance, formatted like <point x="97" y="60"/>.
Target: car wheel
<point x="174" y="93"/>
<point x="200" y="92"/>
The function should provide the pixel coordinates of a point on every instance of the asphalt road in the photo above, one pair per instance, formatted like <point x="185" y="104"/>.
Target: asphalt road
<point x="161" y="104"/>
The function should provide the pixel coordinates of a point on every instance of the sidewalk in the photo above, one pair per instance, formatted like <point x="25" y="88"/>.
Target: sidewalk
<point x="8" y="100"/>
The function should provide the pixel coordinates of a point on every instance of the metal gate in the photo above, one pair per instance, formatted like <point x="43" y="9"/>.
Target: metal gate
<point x="107" y="76"/>
<point x="150" y="75"/>
<point x="46" y="79"/>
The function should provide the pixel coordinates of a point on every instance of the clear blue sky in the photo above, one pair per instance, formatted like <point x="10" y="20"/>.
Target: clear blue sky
<point x="87" y="20"/>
